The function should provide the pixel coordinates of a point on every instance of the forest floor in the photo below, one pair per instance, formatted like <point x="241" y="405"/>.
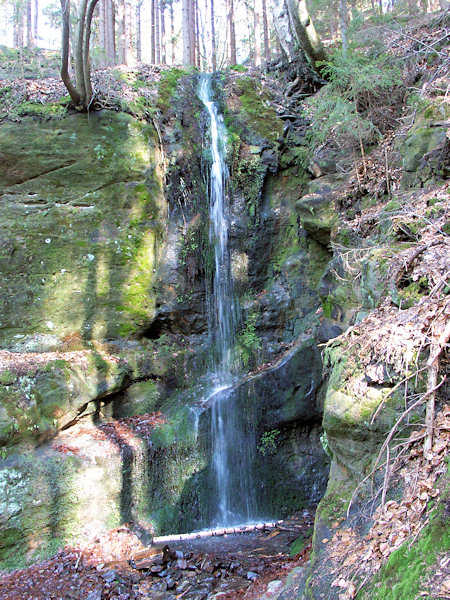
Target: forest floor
<point x="119" y="566"/>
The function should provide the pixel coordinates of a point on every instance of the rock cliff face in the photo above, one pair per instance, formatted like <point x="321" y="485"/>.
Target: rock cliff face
<point x="106" y="268"/>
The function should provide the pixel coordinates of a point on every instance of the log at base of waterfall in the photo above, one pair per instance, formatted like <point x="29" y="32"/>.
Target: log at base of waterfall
<point x="216" y="532"/>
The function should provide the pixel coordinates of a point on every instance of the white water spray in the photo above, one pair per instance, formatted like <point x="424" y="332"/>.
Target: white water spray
<point x="231" y="448"/>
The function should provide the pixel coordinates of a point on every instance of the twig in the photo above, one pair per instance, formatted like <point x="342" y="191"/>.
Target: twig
<point x="396" y="386"/>
<point x="410" y="37"/>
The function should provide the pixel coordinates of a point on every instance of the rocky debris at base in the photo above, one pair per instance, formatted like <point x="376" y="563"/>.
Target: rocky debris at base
<point x="118" y="566"/>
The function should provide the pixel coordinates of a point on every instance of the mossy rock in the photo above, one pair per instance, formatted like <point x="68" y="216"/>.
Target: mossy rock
<point x="82" y="225"/>
<point x="35" y="406"/>
<point x="316" y="208"/>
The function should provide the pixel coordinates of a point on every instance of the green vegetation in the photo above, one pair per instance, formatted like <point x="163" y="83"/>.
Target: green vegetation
<point x="248" y="342"/>
<point x="408" y="568"/>
<point x="357" y="82"/>
<point x="167" y="86"/>
<point x="256" y="112"/>
<point x="268" y="443"/>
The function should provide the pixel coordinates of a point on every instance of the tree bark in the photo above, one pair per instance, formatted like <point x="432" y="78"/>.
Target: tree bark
<point x="81" y="94"/>
<point x="306" y="32"/>
<point x="231" y="33"/>
<point x="343" y="18"/>
<point x="30" y="39"/>
<point x="157" y="33"/>
<point x="265" y="31"/>
<point x="65" y="29"/>
<point x="172" y="33"/>
<point x="138" y="32"/>
<point x="120" y="32"/>
<point x="163" y="33"/>
<point x="152" y="31"/>
<point x="257" y="10"/>
<point x="127" y="33"/>
<point x="35" y="22"/>
<point x="213" y="39"/>
<point x="185" y="31"/>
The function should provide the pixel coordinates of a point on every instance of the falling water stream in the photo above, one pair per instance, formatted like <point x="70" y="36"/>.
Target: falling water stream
<point x="232" y="446"/>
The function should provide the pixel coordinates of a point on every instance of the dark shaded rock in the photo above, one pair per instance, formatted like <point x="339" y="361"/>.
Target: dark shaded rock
<point x="328" y="331"/>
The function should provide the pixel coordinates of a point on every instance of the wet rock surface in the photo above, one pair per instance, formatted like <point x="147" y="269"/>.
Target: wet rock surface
<point x="118" y="566"/>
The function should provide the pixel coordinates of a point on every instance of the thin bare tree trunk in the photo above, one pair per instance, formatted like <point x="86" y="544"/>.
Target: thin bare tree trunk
<point x="192" y="32"/>
<point x="152" y="31"/>
<point x="35" y="23"/>
<point x="257" y="9"/>
<point x="138" y="32"/>
<point x="18" y="26"/>
<point x="265" y="31"/>
<point x="157" y="34"/>
<point x="86" y="57"/>
<point x="65" y="38"/>
<point x="163" y="34"/>
<point x="110" y="33"/>
<point x="79" y="64"/>
<point x="186" y="33"/>
<point x="343" y="18"/>
<point x="30" y="40"/>
<point x="172" y="32"/>
<point x="213" y="39"/>
<point x="231" y="33"/>
<point x="127" y="33"/>
<point x="121" y="31"/>
<point x="197" y="34"/>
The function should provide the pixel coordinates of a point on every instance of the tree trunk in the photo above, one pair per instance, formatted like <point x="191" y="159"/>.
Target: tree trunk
<point x="157" y="34"/>
<point x="306" y="32"/>
<point x="186" y="33"/>
<point x="120" y="31"/>
<point x="81" y="94"/>
<point x="138" y="32"/>
<point x="283" y="30"/>
<point x="35" y="23"/>
<point x="163" y="33"/>
<point x="172" y="32"/>
<point x="265" y="31"/>
<point x="213" y="39"/>
<point x="192" y="32"/>
<point x="343" y="17"/>
<point x="65" y="38"/>
<point x="129" y="60"/>
<point x="18" y="26"/>
<point x="30" y="40"/>
<point x="231" y="33"/>
<point x="152" y="31"/>
<point x="257" y="10"/>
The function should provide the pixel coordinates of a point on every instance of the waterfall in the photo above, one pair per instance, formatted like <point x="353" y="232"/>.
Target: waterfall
<point x="232" y="446"/>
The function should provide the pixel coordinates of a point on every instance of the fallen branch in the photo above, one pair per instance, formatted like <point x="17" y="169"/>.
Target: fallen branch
<point x="215" y="532"/>
<point x="398" y="273"/>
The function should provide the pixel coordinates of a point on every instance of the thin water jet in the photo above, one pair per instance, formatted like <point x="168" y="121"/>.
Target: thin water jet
<point x="233" y="448"/>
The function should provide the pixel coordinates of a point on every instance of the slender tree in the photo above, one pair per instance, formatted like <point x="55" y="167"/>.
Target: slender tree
<point x="343" y="18"/>
<point x="232" y="57"/>
<point x="35" y="21"/>
<point x="152" y="31"/>
<point x="162" y="6"/>
<point x="138" y="31"/>
<point x="257" y="10"/>
<point x="157" y="33"/>
<point x="265" y="31"/>
<point x="18" y="25"/>
<point x="81" y="93"/>
<point x="213" y="39"/>
<point x="30" y="38"/>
